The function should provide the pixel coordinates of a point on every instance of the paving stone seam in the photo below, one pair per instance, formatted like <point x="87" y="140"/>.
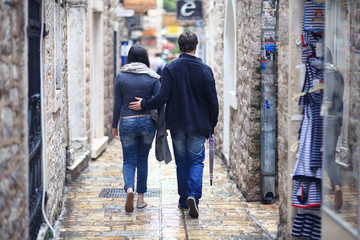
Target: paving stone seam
<point x="185" y="226"/>
<point x="268" y="234"/>
<point x="241" y="197"/>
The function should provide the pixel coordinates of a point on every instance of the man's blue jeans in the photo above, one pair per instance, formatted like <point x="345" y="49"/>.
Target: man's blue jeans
<point x="189" y="151"/>
<point x="136" y="135"/>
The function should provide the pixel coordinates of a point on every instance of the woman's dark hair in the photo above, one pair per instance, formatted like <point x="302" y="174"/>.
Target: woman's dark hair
<point x="187" y="42"/>
<point x="138" y="54"/>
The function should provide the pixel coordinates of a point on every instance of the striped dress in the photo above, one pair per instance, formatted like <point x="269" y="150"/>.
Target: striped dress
<point x="307" y="172"/>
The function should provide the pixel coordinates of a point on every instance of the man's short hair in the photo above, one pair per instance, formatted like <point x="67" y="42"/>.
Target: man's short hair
<point x="187" y="42"/>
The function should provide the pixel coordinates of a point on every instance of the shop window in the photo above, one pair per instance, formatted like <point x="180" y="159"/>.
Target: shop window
<point x="341" y="141"/>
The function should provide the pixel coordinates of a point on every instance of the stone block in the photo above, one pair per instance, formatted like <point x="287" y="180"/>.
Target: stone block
<point x="5" y="32"/>
<point x="7" y="122"/>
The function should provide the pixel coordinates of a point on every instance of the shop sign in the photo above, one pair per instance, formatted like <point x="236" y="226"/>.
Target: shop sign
<point x="140" y="6"/>
<point x="169" y="19"/>
<point x="174" y="30"/>
<point x="189" y="10"/>
<point x="148" y="41"/>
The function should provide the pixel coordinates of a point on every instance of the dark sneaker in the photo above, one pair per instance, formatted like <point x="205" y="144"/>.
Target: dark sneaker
<point x="194" y="211"/>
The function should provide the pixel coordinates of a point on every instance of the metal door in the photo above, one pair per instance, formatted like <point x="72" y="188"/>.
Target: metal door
<point x="35" y="141"/>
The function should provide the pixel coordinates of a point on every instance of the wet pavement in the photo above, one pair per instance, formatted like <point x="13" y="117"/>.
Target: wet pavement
<point x="94" y="206"/>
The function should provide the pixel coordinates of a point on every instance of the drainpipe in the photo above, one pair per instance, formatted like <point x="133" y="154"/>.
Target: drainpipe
<point x="268" y="101"/>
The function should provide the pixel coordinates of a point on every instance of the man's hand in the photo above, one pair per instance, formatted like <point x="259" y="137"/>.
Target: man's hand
<point x="136" y="105"/>
<point x="115" y="133"/>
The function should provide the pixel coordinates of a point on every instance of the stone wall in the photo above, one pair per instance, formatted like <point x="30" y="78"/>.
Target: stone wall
<point x="214" y="26"/>
<point x="244" y="157"/>
<point x="56" y="112"/>
<point x="109" y="29"/>
<point x="111" y="23"/>
<point x="13" y="128"/>
<point x="245" y="137"/>
<point x="289" y="113"/>
<point x="14" y="105"/>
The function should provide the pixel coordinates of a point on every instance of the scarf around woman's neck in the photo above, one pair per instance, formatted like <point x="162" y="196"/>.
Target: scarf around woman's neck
<point x="139" y="68"/>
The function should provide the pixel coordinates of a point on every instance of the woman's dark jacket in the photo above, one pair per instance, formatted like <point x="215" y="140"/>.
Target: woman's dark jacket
<point x="127" y="87"/>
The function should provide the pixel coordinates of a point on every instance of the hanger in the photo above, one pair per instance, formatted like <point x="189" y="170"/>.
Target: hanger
<point x="319" y="1"/>
<point x="320" y="86"/>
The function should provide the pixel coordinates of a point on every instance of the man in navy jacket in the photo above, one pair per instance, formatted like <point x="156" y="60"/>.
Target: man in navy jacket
<point x="188" y="89"/>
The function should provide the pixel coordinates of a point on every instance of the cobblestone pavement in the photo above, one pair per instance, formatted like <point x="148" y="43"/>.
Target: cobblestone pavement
<point x="91" y="213"/>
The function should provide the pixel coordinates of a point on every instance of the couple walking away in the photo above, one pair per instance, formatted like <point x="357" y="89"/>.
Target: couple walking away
<point x="188" y="90"/>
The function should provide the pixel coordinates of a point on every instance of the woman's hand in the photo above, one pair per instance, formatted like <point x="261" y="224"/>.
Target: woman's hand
<point x="136" y="105"/>
<point x="115" y="133"/>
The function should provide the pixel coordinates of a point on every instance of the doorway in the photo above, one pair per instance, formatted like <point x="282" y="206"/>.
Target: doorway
<point x="98" y="140"/>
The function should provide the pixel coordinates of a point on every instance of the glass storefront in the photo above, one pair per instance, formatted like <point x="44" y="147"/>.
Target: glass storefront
<point x="341" y="139"/>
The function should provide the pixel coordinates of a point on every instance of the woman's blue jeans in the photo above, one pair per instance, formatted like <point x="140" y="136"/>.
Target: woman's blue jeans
<point x="136" y="135"/>
<point x="189" y="151"/>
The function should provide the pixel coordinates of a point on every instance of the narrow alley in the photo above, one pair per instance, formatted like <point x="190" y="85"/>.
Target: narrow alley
<point x="277" y="83"/>
<point x="94" y="206"/>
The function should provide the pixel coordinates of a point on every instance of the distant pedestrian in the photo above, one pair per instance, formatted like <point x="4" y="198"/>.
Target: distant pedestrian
<point x="158" y="64"/>
<point x="188" y="89"/>
<point x="137" y="129"/>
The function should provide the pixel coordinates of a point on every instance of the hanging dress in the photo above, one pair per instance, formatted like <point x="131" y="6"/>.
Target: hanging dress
<point x="307" y="173"/>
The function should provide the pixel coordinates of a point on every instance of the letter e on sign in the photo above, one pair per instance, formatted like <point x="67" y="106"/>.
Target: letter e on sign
<point x="189" y="10"/>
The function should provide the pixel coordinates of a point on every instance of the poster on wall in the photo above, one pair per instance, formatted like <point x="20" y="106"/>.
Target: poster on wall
<point x="269" y="38"/>
<point x="269" y="8"/>
<point x="125" y="46"/>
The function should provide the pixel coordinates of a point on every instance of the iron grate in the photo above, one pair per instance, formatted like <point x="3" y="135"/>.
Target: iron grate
<point x="120" y="193"/>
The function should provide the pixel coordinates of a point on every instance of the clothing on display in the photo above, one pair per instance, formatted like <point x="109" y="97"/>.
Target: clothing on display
<point x="314" y="16"/>
<point x="307" y="173"/>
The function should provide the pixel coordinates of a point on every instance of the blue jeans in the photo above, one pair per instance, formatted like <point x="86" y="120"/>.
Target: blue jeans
<point x="189" y="151"/>
<point x="333" y="130"/>
<point x="136" y="135"/>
